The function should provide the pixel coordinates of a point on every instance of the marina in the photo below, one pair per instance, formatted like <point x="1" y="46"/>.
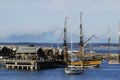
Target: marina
<point x="35" y="57"/>
<point x="59" y="40"/>
<point x="26" y="62"/>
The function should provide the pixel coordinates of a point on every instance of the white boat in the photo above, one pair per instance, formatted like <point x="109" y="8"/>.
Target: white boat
<point x="73" y="70"/>
<point x="113" y="62"/>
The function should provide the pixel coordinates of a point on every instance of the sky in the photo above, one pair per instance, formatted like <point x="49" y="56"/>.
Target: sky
<point x="35" y="17"/>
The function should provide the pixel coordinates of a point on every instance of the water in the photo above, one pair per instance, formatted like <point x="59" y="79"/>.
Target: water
<point x="105" y="72"/>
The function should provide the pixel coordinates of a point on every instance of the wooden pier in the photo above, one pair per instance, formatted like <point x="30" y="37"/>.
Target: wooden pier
<point x="27" y="64"/>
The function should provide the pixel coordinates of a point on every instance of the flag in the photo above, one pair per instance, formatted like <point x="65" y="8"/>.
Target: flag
<point x="67" y="17"/>
<point x="95" y="36"/>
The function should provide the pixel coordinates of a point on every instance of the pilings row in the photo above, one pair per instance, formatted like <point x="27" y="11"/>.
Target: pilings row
<point x="29" y="64"/>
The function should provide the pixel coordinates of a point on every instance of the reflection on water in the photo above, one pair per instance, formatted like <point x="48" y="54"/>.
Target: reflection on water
<point x="105" y="72"/>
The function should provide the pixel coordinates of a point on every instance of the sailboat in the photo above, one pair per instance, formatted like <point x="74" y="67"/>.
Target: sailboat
<point x="71" y="68"/>
<point x="113" y="60"/>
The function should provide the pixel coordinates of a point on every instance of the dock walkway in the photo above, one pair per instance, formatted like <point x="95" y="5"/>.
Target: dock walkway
<point x="27" y="64"/>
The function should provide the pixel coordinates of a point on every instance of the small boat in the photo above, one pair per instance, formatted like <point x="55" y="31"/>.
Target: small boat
<point x="73" y="69"/>
<point x="113" y="61"/>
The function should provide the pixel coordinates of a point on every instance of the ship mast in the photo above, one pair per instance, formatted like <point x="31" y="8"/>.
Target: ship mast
<point x="119" y="41"/>
<point x="81" y="37"/>
<point x="65" y="41"/>
<point x="71" y="42"/>
<point x="109" y="40"/>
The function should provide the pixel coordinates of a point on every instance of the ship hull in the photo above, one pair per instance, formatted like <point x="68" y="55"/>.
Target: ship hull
<point x="87" y="63"/>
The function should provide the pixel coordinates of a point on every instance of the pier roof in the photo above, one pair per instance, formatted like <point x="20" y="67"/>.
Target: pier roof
<point x="27" y="49"/>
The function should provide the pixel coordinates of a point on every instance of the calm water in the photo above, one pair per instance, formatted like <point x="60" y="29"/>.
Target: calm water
<point x="105" y="72"/>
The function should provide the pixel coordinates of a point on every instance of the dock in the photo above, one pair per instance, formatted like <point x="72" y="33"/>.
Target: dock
<point x="27" y="64"/>
<point x="28" y="58"/>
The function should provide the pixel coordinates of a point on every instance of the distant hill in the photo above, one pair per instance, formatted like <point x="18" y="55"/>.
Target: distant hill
<point x="48" y="37"/>
<point x="45" y="37"/>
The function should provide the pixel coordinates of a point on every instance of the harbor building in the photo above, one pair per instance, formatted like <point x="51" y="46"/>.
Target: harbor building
<point x="29" y="58"/>
<point x="6" y="53"/>
<point x="30" y="53"/>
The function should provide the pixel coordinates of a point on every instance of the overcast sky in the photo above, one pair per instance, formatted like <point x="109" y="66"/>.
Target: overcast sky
<point x="18" y="17"/>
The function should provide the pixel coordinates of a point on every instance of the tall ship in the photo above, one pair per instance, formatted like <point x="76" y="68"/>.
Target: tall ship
<point x="86" y="60"/>
<point x="71" y="68"/>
